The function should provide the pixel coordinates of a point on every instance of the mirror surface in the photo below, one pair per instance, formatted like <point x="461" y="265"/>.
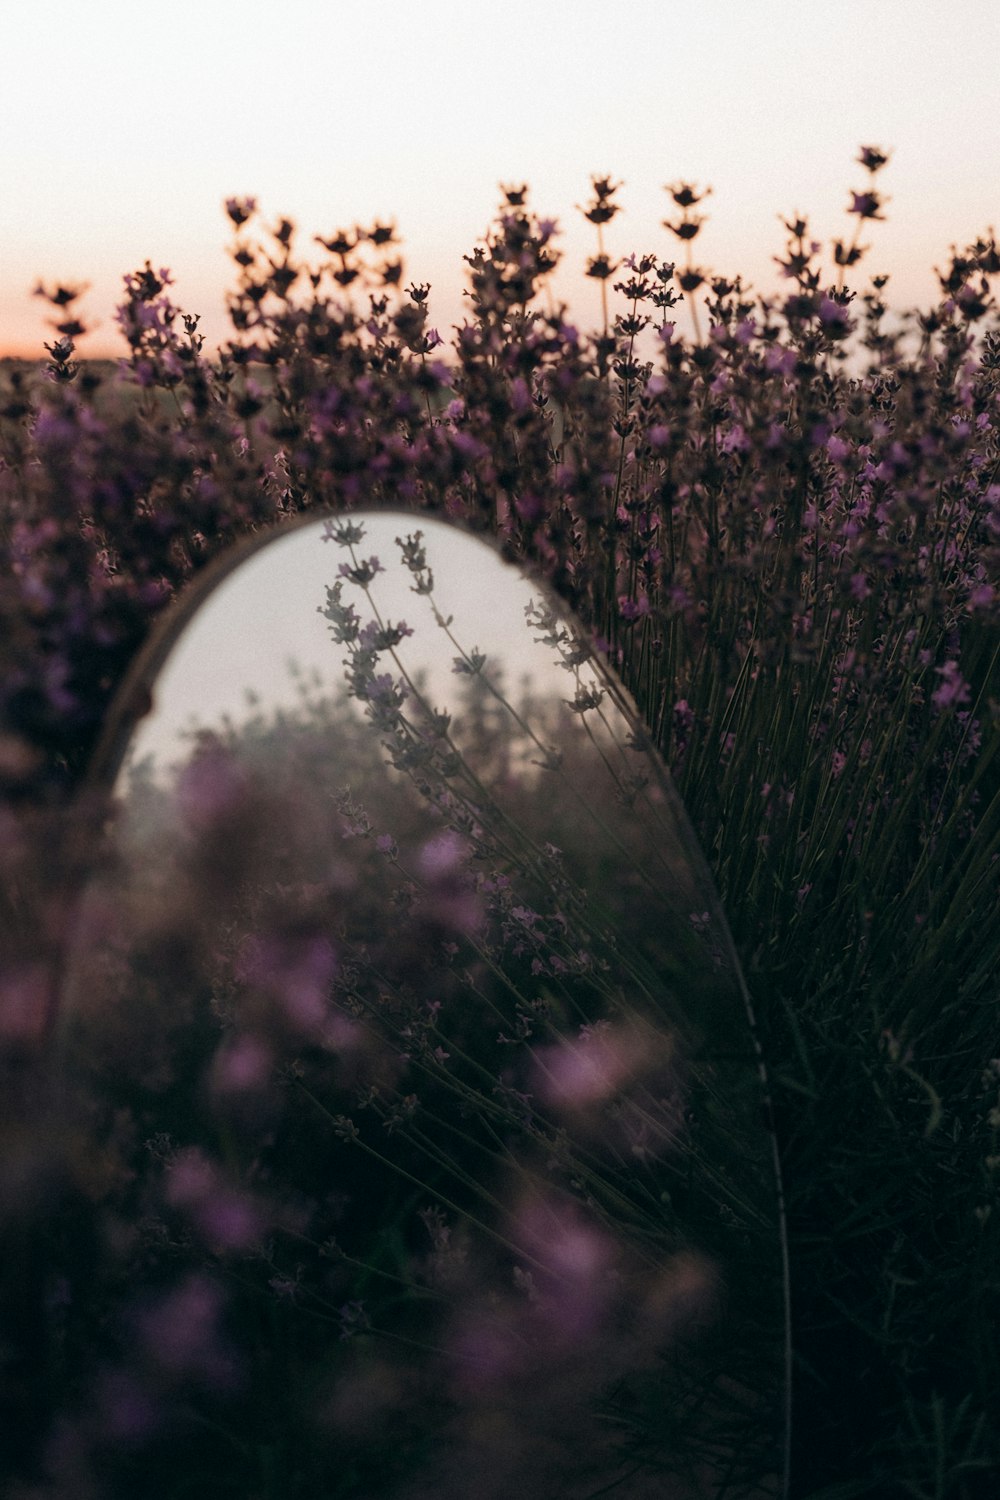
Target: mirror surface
<point x="405" y="967"/>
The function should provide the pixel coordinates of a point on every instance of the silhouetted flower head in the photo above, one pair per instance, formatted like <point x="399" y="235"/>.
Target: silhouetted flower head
<point x="866" y="205"/>
<point x="685" y="194"/>
<point x="602" y="208"/>
<point x="873" y="158"/>
<point x="240" y="210"/>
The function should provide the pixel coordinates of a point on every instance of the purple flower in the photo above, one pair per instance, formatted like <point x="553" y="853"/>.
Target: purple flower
<point x="293" y="969"/>
<point x="212" y="785"/>
<point x="578" y="1074"/>
<point x="953" y="690"/>
<point x="26" y="999"/>
<point x="225" y="1217"/>
<point x="866" y="205"/>
<point x="360" y="573"/>
<point x="633" y="609"/>
<point x="181" y="1336"/>
<point x="241" y="1064"/>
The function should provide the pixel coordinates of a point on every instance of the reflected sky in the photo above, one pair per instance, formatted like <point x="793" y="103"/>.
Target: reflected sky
<point x="259" y="639"/>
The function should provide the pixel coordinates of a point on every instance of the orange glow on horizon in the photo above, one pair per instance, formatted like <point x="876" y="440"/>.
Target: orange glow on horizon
<point x="125" y="132"/>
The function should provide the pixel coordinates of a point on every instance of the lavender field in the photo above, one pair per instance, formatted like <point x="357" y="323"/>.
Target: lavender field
<point x="519" y="1149"/>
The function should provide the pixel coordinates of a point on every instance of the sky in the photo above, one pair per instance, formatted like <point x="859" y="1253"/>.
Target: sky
<point x="124" y="127"/>
<point x="264" y="617"/>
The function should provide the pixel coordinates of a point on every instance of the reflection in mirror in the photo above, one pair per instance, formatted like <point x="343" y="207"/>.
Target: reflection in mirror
<point x="437" y="1131"/>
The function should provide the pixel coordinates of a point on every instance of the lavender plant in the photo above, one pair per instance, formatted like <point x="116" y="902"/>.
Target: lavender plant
<point x="784" y="531"/>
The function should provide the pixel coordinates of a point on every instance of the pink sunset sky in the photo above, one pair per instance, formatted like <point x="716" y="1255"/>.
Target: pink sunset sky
<point x="124" y="128"/>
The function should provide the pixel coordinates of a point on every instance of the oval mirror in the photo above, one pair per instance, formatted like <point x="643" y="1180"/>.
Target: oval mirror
<point x="437" y="1155"/>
